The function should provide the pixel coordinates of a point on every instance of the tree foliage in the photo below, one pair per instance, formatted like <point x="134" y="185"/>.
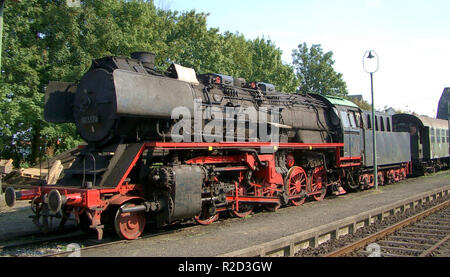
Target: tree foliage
<point x="48" y="41"/>
<point x="362" y="104"/>
<point x="315" y="71"/>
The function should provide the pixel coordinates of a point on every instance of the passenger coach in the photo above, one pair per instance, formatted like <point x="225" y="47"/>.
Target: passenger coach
<point x="429" y="141"/>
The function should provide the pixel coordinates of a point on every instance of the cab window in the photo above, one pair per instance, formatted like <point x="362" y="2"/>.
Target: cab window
<point x="345" y="120"/>
<point x="351" y="116"/>
<point x="358" y="120"/>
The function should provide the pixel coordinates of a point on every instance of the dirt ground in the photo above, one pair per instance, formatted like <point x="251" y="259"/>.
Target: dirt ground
<point x="16" y="219"/>
<point x="4" y="209"/>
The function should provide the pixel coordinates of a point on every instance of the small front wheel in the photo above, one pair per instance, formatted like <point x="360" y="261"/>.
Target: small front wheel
<point x="129" y="225"/>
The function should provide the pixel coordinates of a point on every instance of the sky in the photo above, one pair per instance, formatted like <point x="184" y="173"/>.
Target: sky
<point x="411" y="38"/>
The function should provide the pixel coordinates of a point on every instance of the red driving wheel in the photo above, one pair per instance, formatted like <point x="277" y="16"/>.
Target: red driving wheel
<point x="381" y="178"/>
<point x="296" y="183"/>
<point x="206" y="221"/>
<point x="319" y="183"/>
<point x="239" y="209"/>
<point x="270" y="191"/>
<point x="244" y="210"/>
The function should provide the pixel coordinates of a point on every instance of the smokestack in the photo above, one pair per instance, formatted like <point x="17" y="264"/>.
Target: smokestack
<point x="146" y="58"/>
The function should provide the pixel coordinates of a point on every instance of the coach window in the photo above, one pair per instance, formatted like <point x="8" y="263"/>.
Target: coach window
<point x="448" y="136"/>
<point x="432" y="135"/>
<point x="376" y="123"/>
<point x="382" y="123"/>
<point x="388" y="120"/>
<point x="443" y="135"/>
<point x="438" y="135"/>
<point x="369" y="122"/>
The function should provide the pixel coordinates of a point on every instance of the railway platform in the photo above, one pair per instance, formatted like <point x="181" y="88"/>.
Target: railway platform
<point x="232" y="235"/>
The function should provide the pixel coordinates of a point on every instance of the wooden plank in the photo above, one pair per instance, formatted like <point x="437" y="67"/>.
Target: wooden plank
<point x="66" y="159"/>
<point x="54" y="172"/>
<point x="6" y="162"/>
<point x="6" y="166"/>
<point x="33" y="173"/>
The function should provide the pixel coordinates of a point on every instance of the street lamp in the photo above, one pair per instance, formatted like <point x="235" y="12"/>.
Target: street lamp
<point x="371" y="65"/>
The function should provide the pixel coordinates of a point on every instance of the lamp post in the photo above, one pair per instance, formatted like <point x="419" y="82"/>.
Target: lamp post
<point x="371" y="65"/>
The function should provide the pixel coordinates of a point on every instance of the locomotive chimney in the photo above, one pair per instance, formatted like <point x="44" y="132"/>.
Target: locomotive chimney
<point x="146" y="58"/>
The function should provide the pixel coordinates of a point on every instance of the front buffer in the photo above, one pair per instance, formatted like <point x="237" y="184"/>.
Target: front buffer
<point x="124" y="206"/>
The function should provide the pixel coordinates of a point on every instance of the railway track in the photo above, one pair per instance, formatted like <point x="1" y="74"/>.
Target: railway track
<point x="292" y="243"/>
<point x="417" y="236"/>
<point x="102" y="244"/>
<point x="38" y="238"/>
<point x="168" y="230"/>
<point x="49" y="246"/>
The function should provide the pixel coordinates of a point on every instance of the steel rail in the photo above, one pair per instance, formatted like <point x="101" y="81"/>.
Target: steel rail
<point x="31" y="239"/>
<point x="77" y="235"/>
<point x="389" y="230"/>
<point x="100" y="244"/>
<point x="122" y="241"/>
<point x="434" y="247"/>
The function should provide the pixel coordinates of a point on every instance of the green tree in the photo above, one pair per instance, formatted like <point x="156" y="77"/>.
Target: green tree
<point x="189" y="42"/>
<point x="362" y="104"/>
<point x="257" y="60"/>
<point x="267" y="66"/>
<point x="316" y="73"/>
<point x="21" y="83"/>
<point x="48" y="41"/>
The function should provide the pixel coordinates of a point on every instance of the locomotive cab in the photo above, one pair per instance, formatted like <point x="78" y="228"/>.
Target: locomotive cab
<point x="346" y="117"/>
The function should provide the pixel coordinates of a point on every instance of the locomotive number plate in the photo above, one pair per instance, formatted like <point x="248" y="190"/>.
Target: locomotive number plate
<point x="92" y="119"/>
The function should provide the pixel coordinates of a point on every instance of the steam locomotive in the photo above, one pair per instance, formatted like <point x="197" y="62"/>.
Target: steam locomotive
<point x="171" y="146"/>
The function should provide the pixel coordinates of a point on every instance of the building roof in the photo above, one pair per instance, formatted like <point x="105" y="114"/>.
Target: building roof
<point x="444" y="105"/>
